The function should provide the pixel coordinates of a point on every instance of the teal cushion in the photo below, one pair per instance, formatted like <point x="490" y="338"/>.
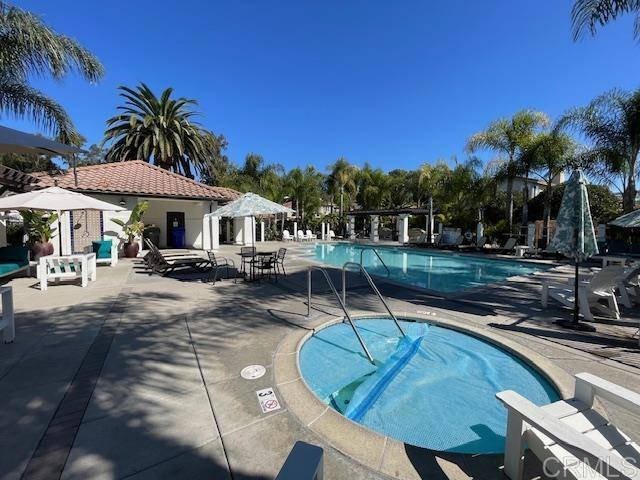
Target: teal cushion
<point x="14" y="254"/>
<point x="102" y="248"/>
<point x="6" y="268"/>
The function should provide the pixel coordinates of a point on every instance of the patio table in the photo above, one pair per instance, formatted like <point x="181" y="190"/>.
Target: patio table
<point x="254" y="255"/>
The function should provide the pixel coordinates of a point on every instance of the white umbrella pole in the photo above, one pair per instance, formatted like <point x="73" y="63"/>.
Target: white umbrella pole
<point x="59" y="233"/>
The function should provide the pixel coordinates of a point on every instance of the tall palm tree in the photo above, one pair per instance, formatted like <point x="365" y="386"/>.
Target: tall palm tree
<point x="587" y="15"/>
<point x="305" y="188"/>
<point x="431" y="180"/>
<point x="554" y="151"/>
<point x="373" y="187"/>
<point x="508" y="136"/>
<point x="612" y="123"/>
<point x="159" y="129"/>
<point x="29" y="48"/>
<point x="342" y="179"/>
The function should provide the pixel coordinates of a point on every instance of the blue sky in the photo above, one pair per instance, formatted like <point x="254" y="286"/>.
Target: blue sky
<point x="302" y="82"/>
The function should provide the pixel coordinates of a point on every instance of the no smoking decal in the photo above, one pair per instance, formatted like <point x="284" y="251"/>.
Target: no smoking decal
<point x="268" y="400"/>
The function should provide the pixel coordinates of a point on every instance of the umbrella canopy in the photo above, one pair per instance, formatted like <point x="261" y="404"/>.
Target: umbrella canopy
<point x="629" y="220"/>
<point x="54" y="199"/>
<point x="15" y="141"/>
<point x="575" y="236"/>
<point x="250" y="205"/>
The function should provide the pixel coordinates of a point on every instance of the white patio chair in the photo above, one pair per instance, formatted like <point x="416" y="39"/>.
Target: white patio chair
<point x="599" y="287"/>
<point x="332" y="234"/>
<point x="309" y="236"/>
<point x="572" y="440"/>
<point x="300" y="237"/>
<point x="629" y="286"/>
<point x="286" y="236"/>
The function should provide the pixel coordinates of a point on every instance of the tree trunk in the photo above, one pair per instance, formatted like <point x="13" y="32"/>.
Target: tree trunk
<point x="341" y="200"/>
<point x="630" y="192"/>
<point x="430" y="232"/>
<point x="525" y="203"/>
<point x="546" y="213"/>
<point x="510" y="203"/>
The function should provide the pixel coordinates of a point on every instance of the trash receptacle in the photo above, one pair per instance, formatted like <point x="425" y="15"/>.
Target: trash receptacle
<point x="177" y="235"/>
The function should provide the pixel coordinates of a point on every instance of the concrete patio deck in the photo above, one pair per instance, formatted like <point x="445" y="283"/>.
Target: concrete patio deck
<point x="138" y="376"/>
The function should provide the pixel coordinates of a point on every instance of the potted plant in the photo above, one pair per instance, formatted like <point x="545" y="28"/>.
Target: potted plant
<point x="40" y="229"/>
<point x="133" y="229"/>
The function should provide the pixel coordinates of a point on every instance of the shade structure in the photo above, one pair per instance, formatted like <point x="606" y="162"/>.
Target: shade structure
<point x="15" y="141"/>
<point x="575" y="236"/>
<point x="250" y="205"/>
<point x="55" y="199"/>
<point x="629" y="220"/>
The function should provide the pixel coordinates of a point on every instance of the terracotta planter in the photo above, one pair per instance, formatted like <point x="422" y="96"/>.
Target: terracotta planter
<point x="39" y="249"/>
<point x="131" y="249"/>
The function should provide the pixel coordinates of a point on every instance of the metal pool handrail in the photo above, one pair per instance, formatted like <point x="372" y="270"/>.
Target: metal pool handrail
<point x="340" y="302"/>
<point x="377" y="255"/>
<point x="366" y="275"/>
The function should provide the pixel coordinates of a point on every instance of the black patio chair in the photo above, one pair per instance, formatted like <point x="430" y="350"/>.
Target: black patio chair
<point x="265" y="265"/>
<point x="280" y="260"/>
<point x="247" y="255"/>
<point x="218" y="263"/>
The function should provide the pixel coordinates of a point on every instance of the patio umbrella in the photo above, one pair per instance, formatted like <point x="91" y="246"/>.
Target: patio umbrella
<point x="55" y="199"/>
<point x="575" y="236"/>
<point x="629" y="220"/>
<point x="250" y="205"/>
<point x="15" y="141"/>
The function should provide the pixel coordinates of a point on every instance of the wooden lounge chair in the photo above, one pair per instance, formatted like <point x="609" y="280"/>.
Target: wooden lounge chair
<point x="572" y="440"/>
<point x="600" y="286"/>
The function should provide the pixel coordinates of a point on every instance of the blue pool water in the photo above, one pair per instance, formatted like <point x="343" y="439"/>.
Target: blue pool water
<point x="443" y="272"/>
<point x="434" y="388"/>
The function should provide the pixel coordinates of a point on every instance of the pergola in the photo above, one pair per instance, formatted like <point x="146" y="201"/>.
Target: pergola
<point x="402" y="224"/>
<point x="15" y="181"/>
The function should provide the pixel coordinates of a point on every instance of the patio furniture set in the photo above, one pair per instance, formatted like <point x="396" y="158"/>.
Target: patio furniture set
<point x="254" y="264"/>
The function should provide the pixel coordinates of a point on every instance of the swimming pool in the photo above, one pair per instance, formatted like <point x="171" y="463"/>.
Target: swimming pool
<point x="434" y="388"/>
<point x="439" y="271"/>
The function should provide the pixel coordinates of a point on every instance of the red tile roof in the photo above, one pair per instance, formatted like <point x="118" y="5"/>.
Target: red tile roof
<point x="137" y="178"/>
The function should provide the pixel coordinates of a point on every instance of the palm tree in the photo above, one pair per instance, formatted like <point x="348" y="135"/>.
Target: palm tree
<point x="159" y="129"/>
<point x="373" y="187"/>
<point x="431" y="180"/>
<point x="587" y="15"/>
<point x="29" y="48"/>
<point x="554" y="152"/>
<point x="305" y="188"/>
<point x="342" y="179"/>
<point x="612" y="123"/>
<point x="508" y="136"/>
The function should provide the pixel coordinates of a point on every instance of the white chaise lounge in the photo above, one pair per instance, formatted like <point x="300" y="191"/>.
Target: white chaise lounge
<point x="572" y="440"/>
<point x="286" y="236"/>
<point x="600" y="286"/>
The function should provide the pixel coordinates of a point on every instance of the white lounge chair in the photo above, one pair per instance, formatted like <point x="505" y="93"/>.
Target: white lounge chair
<point x="629" y="286"/>
<point x="309" y="236"/>
<point x="332" y="234"/>
<point x="599" y="287"/>
<point x="286" y="236"/>
<point x="300" y="237"/>
<point x="572" y="440"/>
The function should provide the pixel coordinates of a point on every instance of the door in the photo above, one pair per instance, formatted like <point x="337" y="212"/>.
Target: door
<point x="174" y="220"/>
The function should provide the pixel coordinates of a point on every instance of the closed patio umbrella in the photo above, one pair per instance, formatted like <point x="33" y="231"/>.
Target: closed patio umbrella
<point x="55" y="199"/>
<point x="250" y="205"/>
<point x="575" y="236"/>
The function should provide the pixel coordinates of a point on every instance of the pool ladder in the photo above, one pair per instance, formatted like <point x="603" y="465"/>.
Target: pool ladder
<point x="342" y="299"/>
<point x="377" y="255"/>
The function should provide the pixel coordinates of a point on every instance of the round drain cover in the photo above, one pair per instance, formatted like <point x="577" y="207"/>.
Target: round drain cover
<point x="252" y="372"/>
